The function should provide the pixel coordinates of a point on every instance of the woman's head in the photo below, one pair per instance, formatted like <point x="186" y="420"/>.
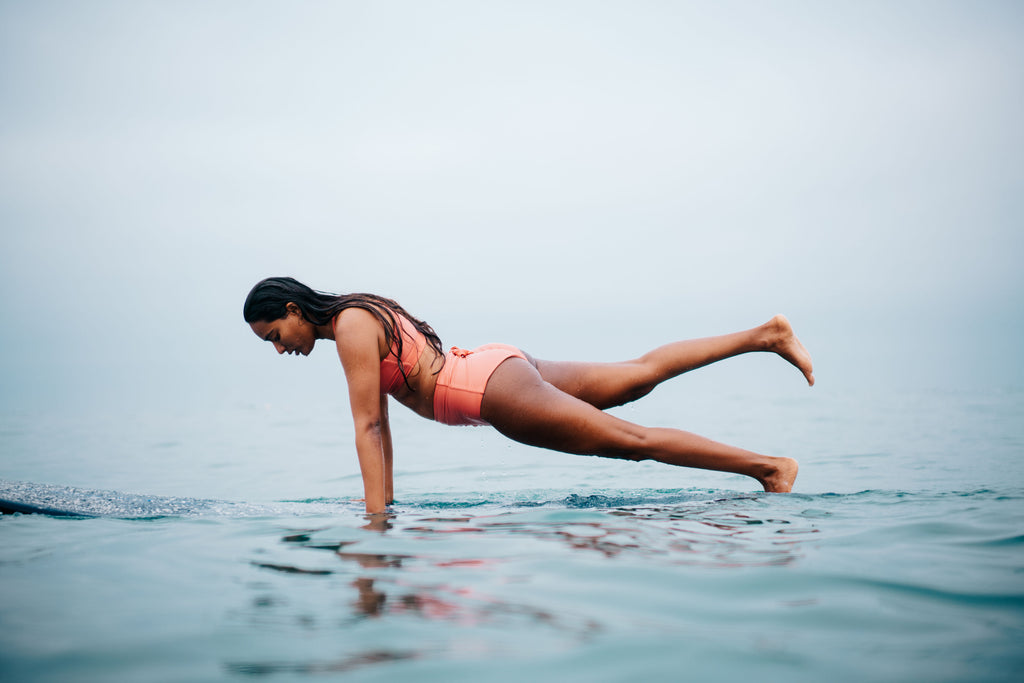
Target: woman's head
<point x="269" y="299"/>
<point x="284" y="312"/>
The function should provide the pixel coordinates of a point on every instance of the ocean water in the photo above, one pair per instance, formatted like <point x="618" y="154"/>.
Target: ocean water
<point x="227" y="546"/>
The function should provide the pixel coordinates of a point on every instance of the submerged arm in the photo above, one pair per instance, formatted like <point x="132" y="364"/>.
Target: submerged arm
<point x="358" y="336"/>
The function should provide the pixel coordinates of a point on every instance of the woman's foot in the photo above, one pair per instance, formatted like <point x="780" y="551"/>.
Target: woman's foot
<point x="779" y="338"/>
<point x="779" y="475"/>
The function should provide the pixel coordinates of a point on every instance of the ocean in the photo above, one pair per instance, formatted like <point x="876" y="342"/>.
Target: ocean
<point x="227" y="545"/>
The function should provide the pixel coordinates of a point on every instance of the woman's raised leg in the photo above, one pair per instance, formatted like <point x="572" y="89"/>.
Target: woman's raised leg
<point x="520" y="404"/>
<point x="604" y="385"/>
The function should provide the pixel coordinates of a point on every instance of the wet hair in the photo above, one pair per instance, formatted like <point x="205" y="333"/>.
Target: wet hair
<point x="268" y="301"/>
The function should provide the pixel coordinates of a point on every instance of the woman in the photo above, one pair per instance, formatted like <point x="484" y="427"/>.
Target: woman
<point x="558" y="405"/>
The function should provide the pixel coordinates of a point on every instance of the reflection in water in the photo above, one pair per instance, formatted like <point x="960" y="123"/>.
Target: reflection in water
<point x="466" y="606"/>
<point x="342" y="665"/>
<point x="715" y="536"/>
<point x="706" y="536"/>
<point x="437" y="579"/>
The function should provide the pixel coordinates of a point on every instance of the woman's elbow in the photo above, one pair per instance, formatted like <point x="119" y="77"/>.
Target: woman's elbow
<point x="368" y="427"/>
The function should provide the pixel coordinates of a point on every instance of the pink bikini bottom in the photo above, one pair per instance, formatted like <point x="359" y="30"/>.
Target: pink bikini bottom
<point x="462" y="380"/>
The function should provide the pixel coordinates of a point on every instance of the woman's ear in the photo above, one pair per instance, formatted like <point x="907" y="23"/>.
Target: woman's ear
<point x="293" y="308"/>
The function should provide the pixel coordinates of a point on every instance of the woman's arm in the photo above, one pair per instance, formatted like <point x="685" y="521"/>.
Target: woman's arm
<point x="385" y="433"/>
<point x="359" y="336"/>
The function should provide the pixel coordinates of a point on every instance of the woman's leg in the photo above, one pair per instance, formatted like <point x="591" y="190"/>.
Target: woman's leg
<point x="520" y="404"/>
<point x="604" y="385"/>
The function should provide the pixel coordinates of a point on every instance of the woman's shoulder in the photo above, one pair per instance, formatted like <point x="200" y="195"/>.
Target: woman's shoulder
<point x="356" y="320"/>
<point x="378" y="313"/>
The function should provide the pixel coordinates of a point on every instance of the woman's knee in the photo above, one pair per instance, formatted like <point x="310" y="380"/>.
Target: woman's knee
<point x="634" y="393"/>
<point x="637" y="378"/>
<point x="626" y="441"/>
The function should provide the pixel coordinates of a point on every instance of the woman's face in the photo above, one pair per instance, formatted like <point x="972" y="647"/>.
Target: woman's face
<point x="290" y="334"/>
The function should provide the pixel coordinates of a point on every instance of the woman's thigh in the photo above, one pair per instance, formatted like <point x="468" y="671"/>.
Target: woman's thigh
<point x="602" y="385"/>
<point x="521" y="404"/>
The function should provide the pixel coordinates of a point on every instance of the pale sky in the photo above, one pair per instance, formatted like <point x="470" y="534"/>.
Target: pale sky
<point x="560" y="175"/>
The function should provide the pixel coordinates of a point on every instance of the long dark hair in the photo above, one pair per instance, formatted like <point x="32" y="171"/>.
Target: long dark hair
<point x="268" y="301"/>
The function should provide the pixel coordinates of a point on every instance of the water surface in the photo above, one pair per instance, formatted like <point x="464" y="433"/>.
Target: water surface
<point x="500" y="562"/>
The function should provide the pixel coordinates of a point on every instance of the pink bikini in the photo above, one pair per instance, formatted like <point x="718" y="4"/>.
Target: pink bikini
<point x="461" y="382"/>
<point x="413" y="344"/>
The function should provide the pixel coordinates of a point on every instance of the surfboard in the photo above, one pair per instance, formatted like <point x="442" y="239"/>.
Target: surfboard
<point x="12" y="507"/>
<point x="70" y="501"/>
<point x="28" y="498"/>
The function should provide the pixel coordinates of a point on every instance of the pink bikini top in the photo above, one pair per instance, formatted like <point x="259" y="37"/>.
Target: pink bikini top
<point x="413" y="343"/>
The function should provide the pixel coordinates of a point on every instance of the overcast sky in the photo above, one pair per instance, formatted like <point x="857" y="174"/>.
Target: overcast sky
<point x="552" y="174"/>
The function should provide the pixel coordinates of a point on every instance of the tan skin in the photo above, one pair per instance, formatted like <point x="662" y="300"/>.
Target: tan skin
<point x="556" y="405"/>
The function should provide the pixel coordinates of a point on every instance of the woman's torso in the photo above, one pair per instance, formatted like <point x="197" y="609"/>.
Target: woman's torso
<point x="419" y="361"/>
